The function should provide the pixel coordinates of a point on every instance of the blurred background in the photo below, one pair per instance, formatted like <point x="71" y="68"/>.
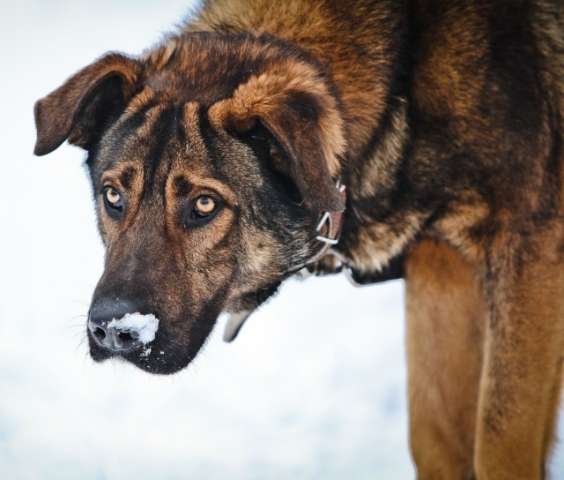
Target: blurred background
<point x="314" y="387"/>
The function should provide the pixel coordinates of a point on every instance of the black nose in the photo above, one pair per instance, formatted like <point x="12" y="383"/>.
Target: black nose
<point x="108" y="334"/>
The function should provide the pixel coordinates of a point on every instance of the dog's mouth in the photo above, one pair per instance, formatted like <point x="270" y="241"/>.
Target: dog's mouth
<point x="153" y="346"/>
<point x="166" y="353"/>
<point x="153" y="357"/>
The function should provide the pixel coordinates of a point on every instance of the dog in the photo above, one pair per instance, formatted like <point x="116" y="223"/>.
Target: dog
<point x="384" y="138"/>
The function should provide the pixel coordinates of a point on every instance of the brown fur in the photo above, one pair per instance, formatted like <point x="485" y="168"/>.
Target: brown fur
<point x="446" y="319"/>
<point x="443" y="119"/>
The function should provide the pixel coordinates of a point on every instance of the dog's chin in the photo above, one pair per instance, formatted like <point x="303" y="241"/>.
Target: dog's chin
<point x="163" y="356"/>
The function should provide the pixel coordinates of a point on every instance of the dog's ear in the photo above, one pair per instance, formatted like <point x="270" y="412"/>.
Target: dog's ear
<point x="299" y="110"/>
<point x="85" y="103"/>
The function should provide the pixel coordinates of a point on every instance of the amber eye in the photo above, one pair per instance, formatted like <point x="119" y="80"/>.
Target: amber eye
<point x="204" y="205"/>
<point x="113" y="196"/>
<point x="201" y="210"/>
<point x="113" y="201"/>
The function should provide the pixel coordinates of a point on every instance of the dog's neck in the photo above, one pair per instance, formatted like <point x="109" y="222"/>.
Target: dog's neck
<point x="377" y="203"/>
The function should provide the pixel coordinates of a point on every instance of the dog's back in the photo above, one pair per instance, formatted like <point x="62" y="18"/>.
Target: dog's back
<point x="454" y="116"/>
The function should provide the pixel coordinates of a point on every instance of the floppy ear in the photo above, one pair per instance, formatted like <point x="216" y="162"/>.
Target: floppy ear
<point x="295" y="104"/>
<point x="85" y="103"/>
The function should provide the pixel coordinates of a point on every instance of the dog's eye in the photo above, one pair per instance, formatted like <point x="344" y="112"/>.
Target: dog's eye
<point x="113" y="200"/>
<point x="204" y="205"/>
<point x="201" y="210"/>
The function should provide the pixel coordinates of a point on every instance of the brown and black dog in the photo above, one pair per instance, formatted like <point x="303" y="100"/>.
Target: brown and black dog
<point x="214" y="155"/>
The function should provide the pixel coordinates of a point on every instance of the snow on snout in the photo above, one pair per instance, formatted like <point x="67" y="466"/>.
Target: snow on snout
<point x="145" y="326"/>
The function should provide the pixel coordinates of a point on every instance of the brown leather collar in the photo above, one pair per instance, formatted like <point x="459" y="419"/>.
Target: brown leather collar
<point x="329" y="232"/>
<point x="329" y="228"/>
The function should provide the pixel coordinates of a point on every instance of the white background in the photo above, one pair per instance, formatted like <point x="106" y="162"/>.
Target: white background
<point x="313" y="388"/>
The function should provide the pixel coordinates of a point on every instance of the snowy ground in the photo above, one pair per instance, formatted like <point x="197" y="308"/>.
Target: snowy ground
<point x="313" y="388"/>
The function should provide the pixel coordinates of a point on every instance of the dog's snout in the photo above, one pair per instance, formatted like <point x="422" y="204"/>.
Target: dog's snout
<point x="108" y="333"/>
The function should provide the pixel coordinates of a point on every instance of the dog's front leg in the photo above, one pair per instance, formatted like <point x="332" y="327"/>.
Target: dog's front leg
<point x="446" y="315"/>
<point x="520" y="380"/>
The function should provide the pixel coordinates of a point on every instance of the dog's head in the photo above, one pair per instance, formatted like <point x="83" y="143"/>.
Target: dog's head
<point x="211" y="160"/>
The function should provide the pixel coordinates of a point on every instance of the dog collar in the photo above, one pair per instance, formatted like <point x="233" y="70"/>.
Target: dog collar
<point x="328" y="233"/>
<point x="329" y="228"/>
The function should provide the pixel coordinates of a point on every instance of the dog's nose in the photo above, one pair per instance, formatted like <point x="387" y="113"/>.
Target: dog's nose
<point x="107" y="333"/>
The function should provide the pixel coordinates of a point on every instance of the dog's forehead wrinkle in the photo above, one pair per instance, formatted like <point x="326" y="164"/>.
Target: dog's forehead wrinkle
<point x="129" y="139"/>
<point x="189" y="124"/>
<point x="148" y="146"/>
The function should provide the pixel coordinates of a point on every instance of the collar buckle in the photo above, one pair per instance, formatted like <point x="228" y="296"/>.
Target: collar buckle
<point x="329" y="228"/>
